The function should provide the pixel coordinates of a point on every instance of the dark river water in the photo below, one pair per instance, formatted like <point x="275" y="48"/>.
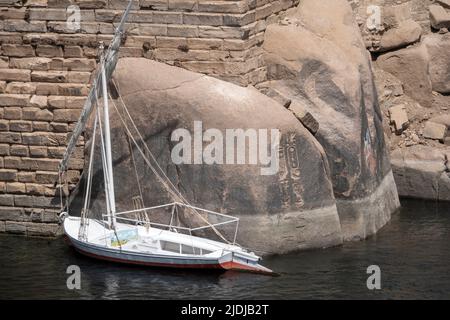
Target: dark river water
<point x="412" y="251"/>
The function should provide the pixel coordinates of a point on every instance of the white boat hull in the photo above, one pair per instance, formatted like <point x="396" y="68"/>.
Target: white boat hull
<point x="139" y="252"/>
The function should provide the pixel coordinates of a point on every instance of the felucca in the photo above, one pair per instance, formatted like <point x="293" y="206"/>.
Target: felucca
<point x="132" y="237"/>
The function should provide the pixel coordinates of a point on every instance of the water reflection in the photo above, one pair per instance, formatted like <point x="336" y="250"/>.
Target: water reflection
<point x="412" y="251"/>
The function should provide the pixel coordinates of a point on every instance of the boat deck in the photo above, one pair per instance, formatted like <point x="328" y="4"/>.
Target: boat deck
<point x="140" y="239"/>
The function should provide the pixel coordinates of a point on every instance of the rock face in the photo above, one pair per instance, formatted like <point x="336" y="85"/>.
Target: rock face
<point x="323" y="65"/>
<point x="406" y="33"/>
<point x="444" y="3"/>
<point x="435" y="131"/>
<point x="419" y="156"/>
<point x="399" y="118"/>
<point x="410" y="65"/>
<point x="439" y="17"/>
<point x="422" y="69"/>
<point x="397" y="28"/>
<point x="422" y="172"/>
<point x="438" y="47"/>
<point x="289" y="210"/>
<point x="395" y="14"/>
<point x="443" y="119"/>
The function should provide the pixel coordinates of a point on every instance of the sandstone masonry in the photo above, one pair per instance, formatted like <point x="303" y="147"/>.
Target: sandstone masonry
<point x="45" y="68"/>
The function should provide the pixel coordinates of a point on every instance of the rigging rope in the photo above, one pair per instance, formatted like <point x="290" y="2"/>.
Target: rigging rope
<point x="143" y="216"/>
<point x="175" y="189"/>
<point x="176" y="194"/>
<point x="84" y="222"/>
<point x="60" y="190"/>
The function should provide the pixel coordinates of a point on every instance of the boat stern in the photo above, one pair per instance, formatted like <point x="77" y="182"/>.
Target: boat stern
<point x="237" y="262"/>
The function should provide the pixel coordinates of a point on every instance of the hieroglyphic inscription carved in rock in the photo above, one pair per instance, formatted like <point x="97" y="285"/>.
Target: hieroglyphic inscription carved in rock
<point x="290" y="173"/>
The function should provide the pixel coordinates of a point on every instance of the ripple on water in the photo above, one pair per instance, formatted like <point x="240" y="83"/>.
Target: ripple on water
<point x="412" y="251"/>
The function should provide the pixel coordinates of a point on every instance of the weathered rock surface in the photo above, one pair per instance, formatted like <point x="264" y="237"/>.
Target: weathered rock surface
<point x="298" y="109"/>
<point x="439" y="17"/>
<point x="399" y="118"/>
<point x="422" y="69"/>
<point x="435" y="131"/>
<point x="419" y="159"/>
<point x="422" y="172"/>
<point x="31" y="229"/>
<point x="323" y="65"/>
<point x="407" y="32"/>
<point x="444" y="3"/>
<point x="447" y="141"/>
<point x="397" y="28"/>
<point x="442" y="119"/>
<point x="438" y="47"/>
<point x="395" y="14"/>
<point x="293" y="209"/>
<point x="410" y="65"/>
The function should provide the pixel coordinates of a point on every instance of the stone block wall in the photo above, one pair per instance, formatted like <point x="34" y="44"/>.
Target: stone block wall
<point x="45" y="68"/>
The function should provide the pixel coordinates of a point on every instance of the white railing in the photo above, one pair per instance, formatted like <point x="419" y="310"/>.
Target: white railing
<point x="175" y="205"/>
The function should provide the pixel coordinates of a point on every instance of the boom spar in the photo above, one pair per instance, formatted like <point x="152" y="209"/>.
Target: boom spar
<point x="109" y="64"/>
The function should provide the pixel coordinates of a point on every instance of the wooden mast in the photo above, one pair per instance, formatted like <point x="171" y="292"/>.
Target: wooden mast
<point x="108" y="170"/>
